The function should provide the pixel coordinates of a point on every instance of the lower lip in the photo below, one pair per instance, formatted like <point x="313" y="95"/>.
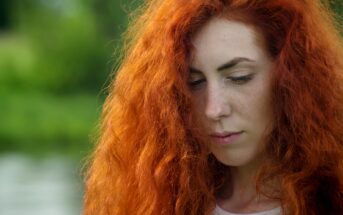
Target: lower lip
<point x="226" y="139"/>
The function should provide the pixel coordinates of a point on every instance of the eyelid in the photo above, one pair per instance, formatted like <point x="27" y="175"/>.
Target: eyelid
<point x="195" y="77"/>
<point x="238" y="72"/>
<point x="195" y="74"/>
<point x="242" y="79"/>
<point x="195" y="80"/>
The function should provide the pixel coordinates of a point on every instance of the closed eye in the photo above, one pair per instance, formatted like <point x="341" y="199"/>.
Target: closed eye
<point x="241" y="79"/>
<point x="196" y="82"/>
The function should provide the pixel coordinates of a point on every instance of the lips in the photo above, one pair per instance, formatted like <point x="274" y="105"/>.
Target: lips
<point x="224" y="138"/>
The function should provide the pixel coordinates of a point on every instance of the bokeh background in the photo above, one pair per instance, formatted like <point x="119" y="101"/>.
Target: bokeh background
<point x="56" y="61"/>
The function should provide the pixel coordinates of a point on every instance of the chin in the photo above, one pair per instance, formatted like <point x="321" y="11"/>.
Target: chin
<point x="237" y="160"/>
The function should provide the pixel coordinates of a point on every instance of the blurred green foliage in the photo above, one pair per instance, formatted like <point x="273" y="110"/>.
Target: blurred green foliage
<point x="56" y="57"/>
<point x="38" y="123"/>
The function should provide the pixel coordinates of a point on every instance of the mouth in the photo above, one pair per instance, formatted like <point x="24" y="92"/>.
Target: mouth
<point x="224" y="138"/>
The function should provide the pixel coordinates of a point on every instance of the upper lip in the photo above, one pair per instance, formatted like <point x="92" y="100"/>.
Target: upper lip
<point x="225" y="133"/>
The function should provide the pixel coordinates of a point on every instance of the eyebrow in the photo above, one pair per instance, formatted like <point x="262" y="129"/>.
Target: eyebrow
<point x="232" y="63"/>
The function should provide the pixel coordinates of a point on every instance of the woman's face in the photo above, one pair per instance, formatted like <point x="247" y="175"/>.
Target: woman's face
<point x="230" y="81"/>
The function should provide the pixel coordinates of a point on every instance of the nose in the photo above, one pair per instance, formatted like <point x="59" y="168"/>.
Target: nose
<point x="217" y="104"/>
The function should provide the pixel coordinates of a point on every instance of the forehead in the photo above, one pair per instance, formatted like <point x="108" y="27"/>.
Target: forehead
<point x="220" y="40"/>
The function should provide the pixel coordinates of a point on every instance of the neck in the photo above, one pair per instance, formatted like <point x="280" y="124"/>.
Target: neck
<point x="239" y="194"/>
<point x="243" y="181"/>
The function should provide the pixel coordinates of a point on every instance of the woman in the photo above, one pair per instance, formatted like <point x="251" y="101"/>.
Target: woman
<point x="221" y="107"/>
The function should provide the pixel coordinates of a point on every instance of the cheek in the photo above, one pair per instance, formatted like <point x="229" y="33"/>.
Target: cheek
<point x="199" y="107"/>
<point x="261" y="110"/>
<point x="199" y="102"/>
<point x="260" y="106"/>
<point x="260" y="97"/>
<point x="255" y="108"/>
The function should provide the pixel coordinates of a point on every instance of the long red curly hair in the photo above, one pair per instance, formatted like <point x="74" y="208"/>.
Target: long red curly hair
<point x="152" y="158"/>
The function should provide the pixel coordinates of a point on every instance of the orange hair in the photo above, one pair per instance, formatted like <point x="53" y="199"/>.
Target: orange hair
<point x="152" y="157"/>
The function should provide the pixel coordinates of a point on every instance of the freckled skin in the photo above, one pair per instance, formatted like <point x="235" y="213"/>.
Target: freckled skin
<point x="227" y="105"/>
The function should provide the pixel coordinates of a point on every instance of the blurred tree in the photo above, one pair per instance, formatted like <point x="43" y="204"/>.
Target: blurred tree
<point x="4" y="14"/>
<point x="53" y="62"/>
<point x="337" y="6"/>
<point x="113" y="17"/>
<point x="67" y="49"/>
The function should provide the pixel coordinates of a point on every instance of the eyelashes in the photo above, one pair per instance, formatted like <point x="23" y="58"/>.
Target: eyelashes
<point x="196" y="82"/>
<point x="238" y="80"/>
<point x="241" y="79"/>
